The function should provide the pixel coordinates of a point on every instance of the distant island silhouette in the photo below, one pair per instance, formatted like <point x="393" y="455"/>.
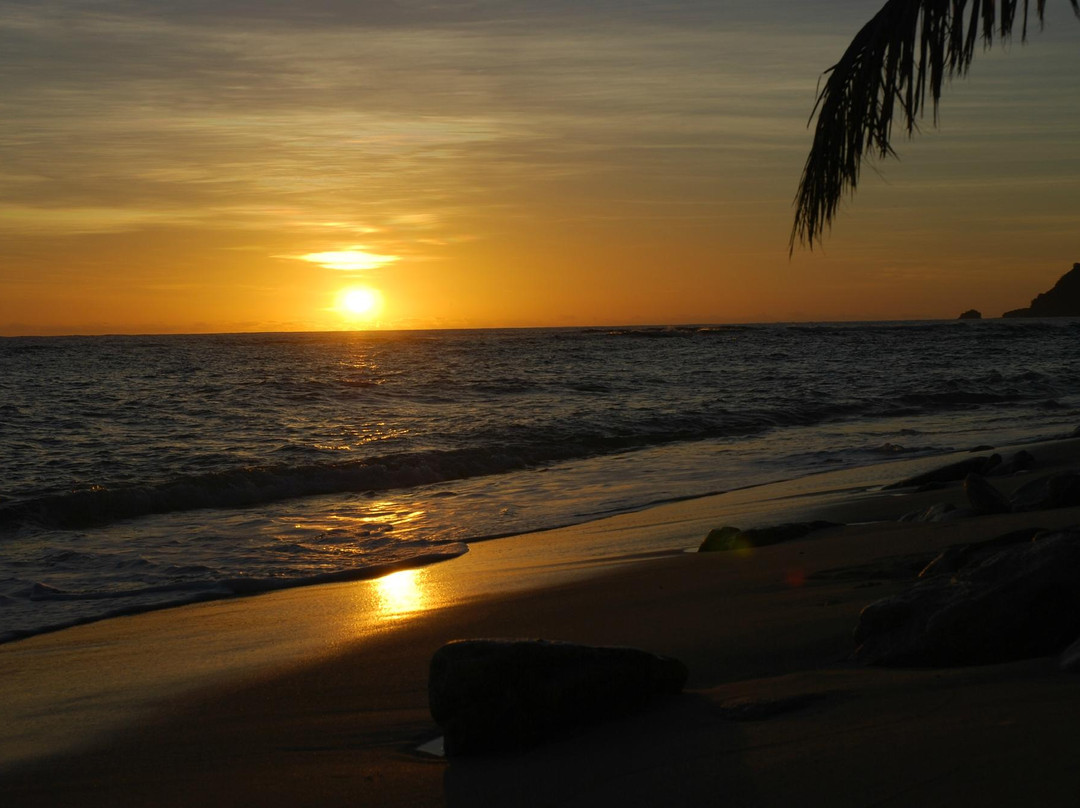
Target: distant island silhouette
<point x="1061" y="301"/>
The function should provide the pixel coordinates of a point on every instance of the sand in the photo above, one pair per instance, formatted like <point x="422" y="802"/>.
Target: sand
<point x="318" y="696"/>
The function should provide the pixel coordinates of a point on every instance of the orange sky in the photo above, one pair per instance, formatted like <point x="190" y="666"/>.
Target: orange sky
<point x="195" y="166"/>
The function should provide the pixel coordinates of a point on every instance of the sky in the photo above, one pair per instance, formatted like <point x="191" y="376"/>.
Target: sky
<point x="241" y="165"/>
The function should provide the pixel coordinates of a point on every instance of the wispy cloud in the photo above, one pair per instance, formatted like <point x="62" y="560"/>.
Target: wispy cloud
<point x="353" y="259"/>
<point x="181" y="107"/>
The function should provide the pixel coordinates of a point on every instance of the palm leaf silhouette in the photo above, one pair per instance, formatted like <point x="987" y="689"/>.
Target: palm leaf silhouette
<point x="909" y="47"/>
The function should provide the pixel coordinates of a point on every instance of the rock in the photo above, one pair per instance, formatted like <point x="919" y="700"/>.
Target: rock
<point x="500" y="695"/>
<point x="955" y="558"/>
<point x="721" y="539"/>
<point x="1063" y="300"/>
<point x="727" y="538"/>
<point x="921" y="489"/>
<point x="971" y="314"/>
<point x="957" y="513"/>
<point x="931" y="487"/>
<point x="762" y="709"/>
<point x="984" y="498"/>
<point x="893" y="568"/>
<point x="1069" y="661"/>
<point x="934" y="513"/>
<point x="946" y="562"/>
<point x="1018" y="603"/>
<point x="1021" y="461"/>
<point x="1056" y="491"/>
<point x="951" y="472"/>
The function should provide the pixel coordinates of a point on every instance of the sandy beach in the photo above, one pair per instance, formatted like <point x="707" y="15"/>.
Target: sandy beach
<point x="318" y="696"/>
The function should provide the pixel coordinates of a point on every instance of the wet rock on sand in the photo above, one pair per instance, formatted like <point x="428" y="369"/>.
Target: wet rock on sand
<point x="762" y="709"/>
<point x="1021" y="602"/>
<point x="950" y="473"/>
<point x="727" y="538"/>
<point x="1070" y="658"/>
<point x="1021" y="461"/>
<point x="953" y="559"/>
<point x="983" y="497"/>
<point x="1057" y="491"/>
<point x="492" y="696"/>
<point x="939" y="512"/>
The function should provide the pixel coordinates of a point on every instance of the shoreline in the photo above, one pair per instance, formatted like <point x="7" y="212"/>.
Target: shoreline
<point x="867" y="475"/>
<point x="297" y="684"/>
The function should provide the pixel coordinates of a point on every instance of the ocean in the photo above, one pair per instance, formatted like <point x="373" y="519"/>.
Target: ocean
<point x="140" y="472"/>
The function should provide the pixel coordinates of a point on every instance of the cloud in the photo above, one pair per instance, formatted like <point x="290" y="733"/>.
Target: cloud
<point x="227" y="114"/>
<point x="454" y="118"/>
<point x="353" y="259"/>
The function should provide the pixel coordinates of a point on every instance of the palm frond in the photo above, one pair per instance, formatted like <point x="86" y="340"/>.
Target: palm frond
<point x="909" y="47"/>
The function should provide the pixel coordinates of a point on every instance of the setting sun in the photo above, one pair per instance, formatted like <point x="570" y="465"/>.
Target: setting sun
<point x="360" y="302"/>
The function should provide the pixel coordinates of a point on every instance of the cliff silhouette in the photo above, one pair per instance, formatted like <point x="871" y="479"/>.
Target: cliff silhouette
<point x="1061" y="301"/>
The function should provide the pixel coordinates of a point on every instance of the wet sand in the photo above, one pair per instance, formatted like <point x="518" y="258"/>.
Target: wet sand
<point x="318" y="696"/>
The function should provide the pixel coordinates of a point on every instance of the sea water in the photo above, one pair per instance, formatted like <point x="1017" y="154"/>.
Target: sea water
<point x="139" y="472"/>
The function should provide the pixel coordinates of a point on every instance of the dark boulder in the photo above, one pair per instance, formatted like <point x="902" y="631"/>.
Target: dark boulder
<point x="950" y="473"/>
<point x="938" y="512"/>
<point x="493" y="696"/>
<point x="1018" y="603"/>
<point x="727" y="538"/>
<point x="938" y="486"/>
<point x="953" y="559"/>
<point x="722" y="539"/>
<point x="1021" y="461"/>
<point x="1069" y="661"/>
<point x="983" y="497"/>
<point x="1056" y="491"/>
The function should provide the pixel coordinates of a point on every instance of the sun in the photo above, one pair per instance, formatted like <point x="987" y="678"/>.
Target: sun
<point x="359" y="302"/>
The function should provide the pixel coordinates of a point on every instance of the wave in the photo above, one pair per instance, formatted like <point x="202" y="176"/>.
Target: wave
<point x="990" y="327"/>
<point x="239" y="487"/>
<point x="666" y="331"/>
<point x="242" y="487"/>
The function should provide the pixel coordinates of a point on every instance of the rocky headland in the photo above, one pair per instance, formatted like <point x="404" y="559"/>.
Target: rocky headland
<point x="1061" y="301"/>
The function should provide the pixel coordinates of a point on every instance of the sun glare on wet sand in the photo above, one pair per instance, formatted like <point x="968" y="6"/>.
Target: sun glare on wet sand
<point x="400" y="593"/>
